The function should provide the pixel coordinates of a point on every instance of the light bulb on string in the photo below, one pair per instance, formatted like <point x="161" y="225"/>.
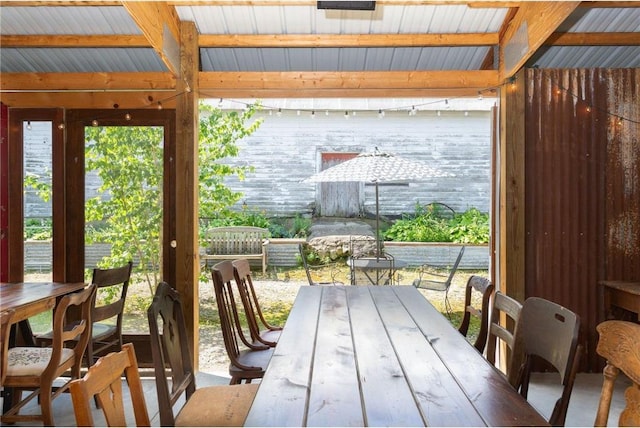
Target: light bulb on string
<point x="380" y="114"/>
<point x="220" y="103"/>
<point x="313" y="114"/>
<point x="279" y="112"/>
<point x="127" y="116"/>
<point x="94" y="122"/>
<point x="61" y="125"/>
<point x="159" y="105"/>
<point x="346" y="115"/>
<point x="29" y="127"/>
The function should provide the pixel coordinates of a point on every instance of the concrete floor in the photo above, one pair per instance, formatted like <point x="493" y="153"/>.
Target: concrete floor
<point x="543" y="392"/>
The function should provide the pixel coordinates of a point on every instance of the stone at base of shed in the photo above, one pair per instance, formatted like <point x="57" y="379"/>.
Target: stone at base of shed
<point x="338" y="246"/>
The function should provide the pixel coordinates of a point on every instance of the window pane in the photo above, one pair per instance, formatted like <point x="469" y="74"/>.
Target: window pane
<point x="37" y="162"/>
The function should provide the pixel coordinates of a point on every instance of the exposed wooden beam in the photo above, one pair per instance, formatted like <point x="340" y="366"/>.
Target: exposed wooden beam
<point x="532" y="25"/>
<point x="609" y="4"/>
<point x="119" y="101"/>
<point x="160" y="24"/>
<point x="594" y="39"/>
<point x="340" y="93"/>
<point x="93" y="82"/>
<point x="346" y="40"/>
<point x="349" y="80"/>
<point x="75" y="41"/>
<point x="318" y="40"/>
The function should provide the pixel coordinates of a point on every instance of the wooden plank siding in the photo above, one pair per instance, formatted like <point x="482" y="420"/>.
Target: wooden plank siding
<point x="582" y="188"/>
<point x="287" y="149"/>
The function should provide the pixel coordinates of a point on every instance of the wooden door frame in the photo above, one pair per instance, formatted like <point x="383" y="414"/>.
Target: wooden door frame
<point x="14" y="187"/>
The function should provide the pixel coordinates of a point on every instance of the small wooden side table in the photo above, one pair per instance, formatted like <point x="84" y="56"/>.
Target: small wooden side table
<point x="621" y="294"/>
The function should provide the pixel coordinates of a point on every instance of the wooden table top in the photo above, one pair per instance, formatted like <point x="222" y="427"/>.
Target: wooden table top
<point x="631" y="287"/>
<point x="30" y="298"/>
<point x="380" y="356"/>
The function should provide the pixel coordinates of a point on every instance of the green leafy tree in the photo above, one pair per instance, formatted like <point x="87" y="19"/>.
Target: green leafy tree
<point x="219" y="133"/>
<point x="128" y="208"/>
<point x="128" y="211"/>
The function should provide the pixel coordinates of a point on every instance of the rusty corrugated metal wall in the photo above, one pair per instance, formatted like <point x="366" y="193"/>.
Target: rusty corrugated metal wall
<point x="582" y="160"/>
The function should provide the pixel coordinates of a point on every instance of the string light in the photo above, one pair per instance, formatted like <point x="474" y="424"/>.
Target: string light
<point x="127" y="116"/>
<point x="279" y="112"/>
<point x="29" y="125"/>
<point x="380" y="114"/>
<point x="617" y="119"/>
<point x="346" y="115"/>
<point x="61" y="126"/>
<point x="94" y="122"/>
<point x="159" y="105"/>
<point x="313" y="114"/>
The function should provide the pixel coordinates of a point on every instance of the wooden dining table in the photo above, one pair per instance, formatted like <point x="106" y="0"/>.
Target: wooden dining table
<point x="27" y="299"/>
<point x="380" y="356"/>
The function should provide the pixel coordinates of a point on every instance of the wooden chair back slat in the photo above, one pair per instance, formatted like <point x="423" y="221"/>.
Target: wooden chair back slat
<point x="170" y="350"/>
<point x="484" y="288"/>
<point x="104" y="381"/>
<point x="505" y="314"/>
<point x="252" y="309"/>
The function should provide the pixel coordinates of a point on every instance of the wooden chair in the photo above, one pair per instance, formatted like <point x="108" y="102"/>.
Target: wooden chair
<point x="547" y="331"/>
<point x="35" y="368"/>
<point x="103" y="382"/>
<point x="5" y="328"/>
<point x="437" y="285"/>
<point x="250" y="362"/>
<point x="484" y="287"/>
<point x="105" y="336"/>
<point x="505" y="314"/>
<point x="619" y="344"/>
<point x="214" y="405"/>
<point x="261" y="331"/>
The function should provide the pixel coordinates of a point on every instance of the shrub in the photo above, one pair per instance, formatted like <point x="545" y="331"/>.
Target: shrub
<point x="471" y="227"/>
<point x="434" y="223"/>
<point x="39" y="229"/>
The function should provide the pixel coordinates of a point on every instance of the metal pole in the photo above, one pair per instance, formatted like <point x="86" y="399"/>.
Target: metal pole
<point x="378" y="249"/>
